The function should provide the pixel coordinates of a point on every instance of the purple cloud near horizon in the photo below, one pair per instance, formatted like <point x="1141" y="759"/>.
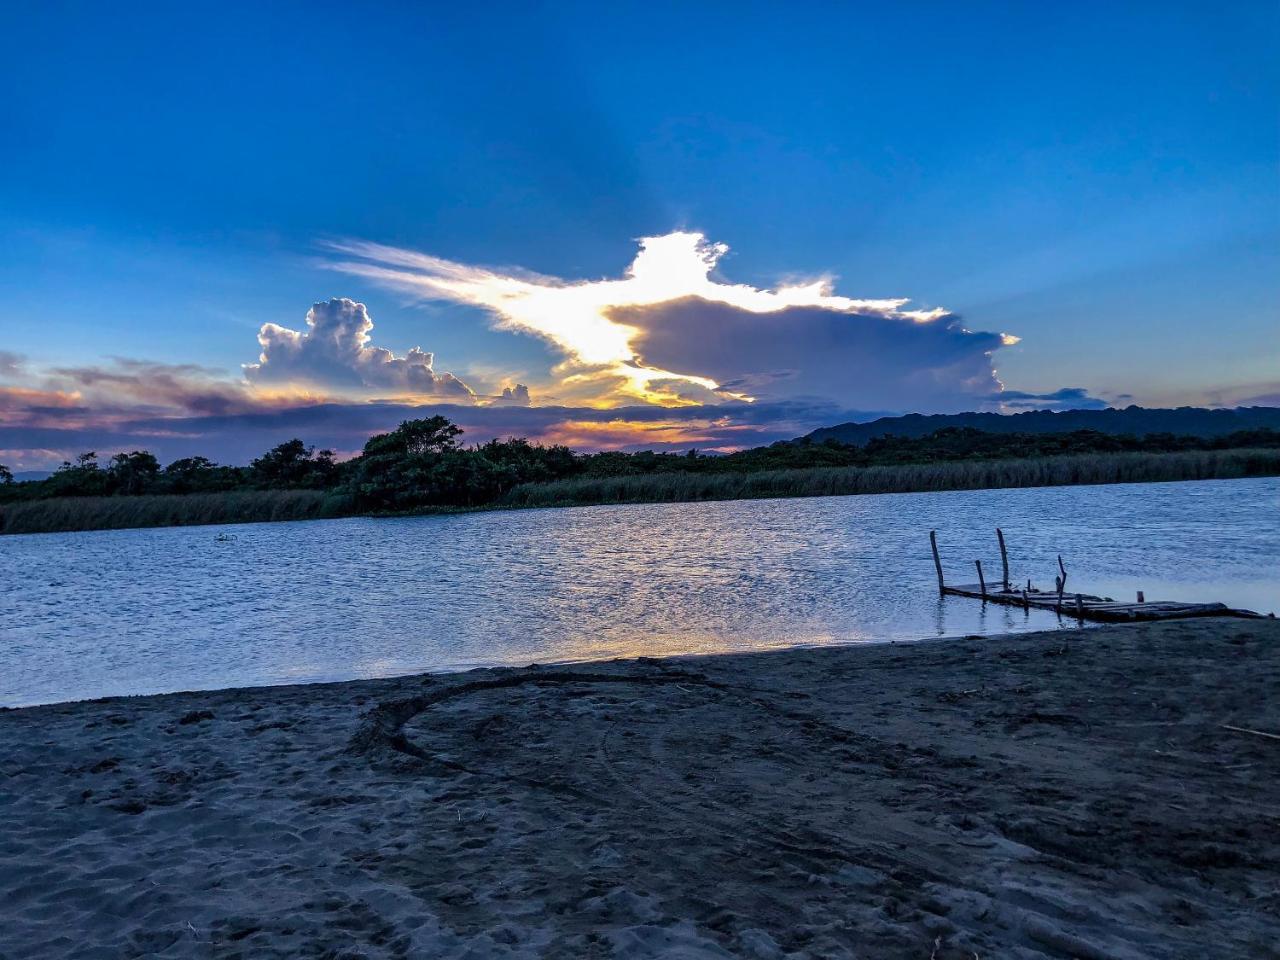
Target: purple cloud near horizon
<point x="1067" y="398"/>
<point x="238" y="437"/>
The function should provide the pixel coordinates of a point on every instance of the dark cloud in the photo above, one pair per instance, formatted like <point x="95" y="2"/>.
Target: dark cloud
<point x="852" y="359"/>
<point x="133" y="386"/>
<point x="1068" y="398"/>
<point x="334" y="353"/>
<point x="1269" y="398"/>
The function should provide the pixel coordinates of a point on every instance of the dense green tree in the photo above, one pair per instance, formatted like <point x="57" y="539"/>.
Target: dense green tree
<point x="201" y="475"/>
<point x="84" y="478"/>
<point x="433" y="435"/>
<point x="291" y="465"/>
<point x="530" y="462"/>
<point x="133" y="473"/>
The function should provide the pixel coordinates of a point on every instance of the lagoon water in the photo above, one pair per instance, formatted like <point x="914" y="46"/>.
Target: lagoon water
<point x="147" y="611"/>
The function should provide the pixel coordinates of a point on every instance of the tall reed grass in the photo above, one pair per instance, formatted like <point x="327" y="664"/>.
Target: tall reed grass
<point x="905" y="478"/>
<point x="106" y="513"/>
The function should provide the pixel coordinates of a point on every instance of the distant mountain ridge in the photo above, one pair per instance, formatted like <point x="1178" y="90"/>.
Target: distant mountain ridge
<point x="1138" y="421"/>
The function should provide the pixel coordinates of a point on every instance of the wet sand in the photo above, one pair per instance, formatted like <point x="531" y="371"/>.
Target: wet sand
<point x="1065" y="794"/>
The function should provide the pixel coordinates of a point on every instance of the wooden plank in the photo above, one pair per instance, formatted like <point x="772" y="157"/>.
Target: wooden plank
<point x="1004" y="558"/>
<point x="1098" y="608"/>
<point x="937" y="561"/>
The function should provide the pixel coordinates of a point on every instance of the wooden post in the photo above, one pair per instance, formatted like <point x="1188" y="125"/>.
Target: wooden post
<point x="1141" y="598"/>
<point x="1064" y="574"/>
<point x="1079" y="607"/>
<point x="982" y="581"/>
<point x="1004" y="559"/>
<point x="1057" y="583"/>
<point x="937" y="561"/>
<point x="1026" y="604"/>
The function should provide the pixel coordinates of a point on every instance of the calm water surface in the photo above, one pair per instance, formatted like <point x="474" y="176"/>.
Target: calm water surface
<point x="146" y="611"/>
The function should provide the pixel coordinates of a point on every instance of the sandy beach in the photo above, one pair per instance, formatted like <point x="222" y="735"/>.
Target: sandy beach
<point x="1063" y="794"/>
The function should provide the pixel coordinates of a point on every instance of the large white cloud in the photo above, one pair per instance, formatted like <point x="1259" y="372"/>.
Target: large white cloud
<point x="333" y="354"/>
<point x="671" y="332"/>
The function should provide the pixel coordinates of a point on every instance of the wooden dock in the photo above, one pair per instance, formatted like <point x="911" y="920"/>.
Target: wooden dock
<point x="1079" y="606"/>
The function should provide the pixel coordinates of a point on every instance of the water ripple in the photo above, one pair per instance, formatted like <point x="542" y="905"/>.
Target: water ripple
<point x="146" y="611"/>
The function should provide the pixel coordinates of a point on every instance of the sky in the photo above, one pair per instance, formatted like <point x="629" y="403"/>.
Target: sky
<point x="625" y="225"/>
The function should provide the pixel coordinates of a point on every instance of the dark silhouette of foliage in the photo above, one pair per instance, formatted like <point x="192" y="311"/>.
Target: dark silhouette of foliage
<point x="433" y="435"/>
<point x="84" y="478"/>
<point x="422" y="465"/>
<point x="134" y="473"/>
<point x="292" y="466"/>
<point x="201" y="475"/>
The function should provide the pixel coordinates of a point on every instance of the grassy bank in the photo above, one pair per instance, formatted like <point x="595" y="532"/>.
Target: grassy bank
<point x="255" y="506"/>
<point x="907" y="478"/>
<point x="166" y="510"/>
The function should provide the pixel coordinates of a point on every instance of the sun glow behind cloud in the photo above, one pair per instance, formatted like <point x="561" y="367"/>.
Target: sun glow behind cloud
<point x="668" y="355"/>
<point x="600" y="357"/>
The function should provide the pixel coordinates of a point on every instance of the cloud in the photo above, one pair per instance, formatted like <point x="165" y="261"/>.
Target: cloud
<point x="667" y="356"/>
<point x="138" y="386"/>
<point x="1264" y="394"/>
<point x="239" y="436"/>
<point x="119" y="389"/>
<point x="653" y="335"/>
<point x="517" y="396"/>
<point x="11" y="364"/>
<point x="333" y="354"/>
<point x="853" y="357"/>
<point x="1067" y="398"/>
<point x="1262" y="400"/>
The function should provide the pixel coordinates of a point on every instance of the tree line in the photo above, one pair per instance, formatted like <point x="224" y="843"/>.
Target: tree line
<point x="423" y="463"/>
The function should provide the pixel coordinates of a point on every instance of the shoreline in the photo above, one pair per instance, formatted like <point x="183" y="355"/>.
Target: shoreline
<point x="559" y="665"/>
<point x="84" y="515"/>
<point x="1072" y="792"/>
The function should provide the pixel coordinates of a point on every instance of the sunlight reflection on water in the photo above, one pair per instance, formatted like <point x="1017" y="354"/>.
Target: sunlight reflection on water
<point x="145" y="611"/>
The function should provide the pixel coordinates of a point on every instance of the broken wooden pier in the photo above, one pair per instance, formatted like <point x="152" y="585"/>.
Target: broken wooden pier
<point x="1081" y="606"/>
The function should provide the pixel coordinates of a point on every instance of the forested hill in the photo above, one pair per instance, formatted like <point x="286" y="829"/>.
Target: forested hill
<point x="1134" y="421"/>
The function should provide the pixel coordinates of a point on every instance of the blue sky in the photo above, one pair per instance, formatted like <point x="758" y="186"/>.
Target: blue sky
<point x="1099" y="180"/>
